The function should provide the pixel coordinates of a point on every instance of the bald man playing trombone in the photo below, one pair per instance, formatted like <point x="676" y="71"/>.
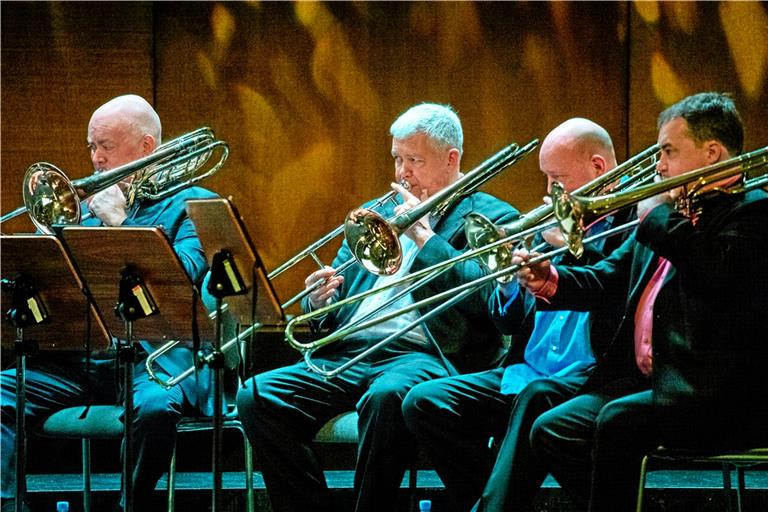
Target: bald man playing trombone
<point x="122" y="130"/>
<point x="283" y="409"/>
<point x="455" y="417"/>
<point x="689" y="352"/>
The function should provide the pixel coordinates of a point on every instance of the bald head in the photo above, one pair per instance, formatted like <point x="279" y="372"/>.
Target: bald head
<point x="132" y="111"/>
<point x="576" y="152"/>
<point x="122" y="130"/>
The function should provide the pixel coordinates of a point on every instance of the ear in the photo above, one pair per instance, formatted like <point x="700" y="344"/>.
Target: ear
<point x="715" y="151"/>
<point x="148" y="144"/>
<point x="454" y="158"/>
<point x="598" y="164"/>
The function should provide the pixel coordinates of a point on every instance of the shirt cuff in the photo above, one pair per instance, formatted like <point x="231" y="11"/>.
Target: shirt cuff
<point x="506" y="293"/>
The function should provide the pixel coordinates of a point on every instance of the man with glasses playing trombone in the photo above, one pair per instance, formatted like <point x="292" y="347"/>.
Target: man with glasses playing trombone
<point x="283" y="409"/>
<point x="694" y="284"/>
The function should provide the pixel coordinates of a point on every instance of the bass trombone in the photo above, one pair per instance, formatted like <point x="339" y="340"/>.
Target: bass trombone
<point x="50" y="197"/>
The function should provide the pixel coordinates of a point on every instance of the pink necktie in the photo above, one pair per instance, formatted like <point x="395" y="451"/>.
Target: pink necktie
<point x="644" y="318"/>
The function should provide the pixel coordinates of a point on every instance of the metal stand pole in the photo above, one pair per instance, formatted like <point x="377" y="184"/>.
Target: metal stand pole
<point x="217" y="364"/>
<point x="26" y="309"/>
<point x="224" y="281"/>
<point x="21" y="405"/>
<point x="134" y="302"/>
<point x="127" y="355"/>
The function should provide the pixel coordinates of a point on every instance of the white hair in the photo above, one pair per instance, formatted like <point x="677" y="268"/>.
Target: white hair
<point x="438" y="122"/>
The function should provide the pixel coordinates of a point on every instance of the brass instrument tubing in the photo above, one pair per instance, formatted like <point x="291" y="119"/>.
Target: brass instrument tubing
<point x="460" y="292"/>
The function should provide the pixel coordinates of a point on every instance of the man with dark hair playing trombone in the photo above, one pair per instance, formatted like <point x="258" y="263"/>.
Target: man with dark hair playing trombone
<point x="283" y="409"/>
<point x="121" y="131"/>
<point x="694" y="285"/>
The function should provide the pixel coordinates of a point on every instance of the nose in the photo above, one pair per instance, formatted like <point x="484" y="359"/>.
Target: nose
<point x="550" y="181"/>
<point x="661" y="164"/>
<point x="98" y="158"/>
<point x="402" y="172"/>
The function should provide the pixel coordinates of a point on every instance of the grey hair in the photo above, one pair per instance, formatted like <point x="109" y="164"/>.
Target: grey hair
<point x="438" y="122"/>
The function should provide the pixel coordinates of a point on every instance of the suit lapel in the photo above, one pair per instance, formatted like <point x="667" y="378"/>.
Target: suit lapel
<point x="453" y="220"/>
<point x="648" y="261"/>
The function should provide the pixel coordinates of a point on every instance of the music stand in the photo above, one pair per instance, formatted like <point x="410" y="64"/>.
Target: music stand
<point x="138" y="267"/>
<point x="41" y="288"/>
<point x="237" y="276"/>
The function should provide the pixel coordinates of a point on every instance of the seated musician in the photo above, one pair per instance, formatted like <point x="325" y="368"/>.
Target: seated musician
<point x="454" y="417"/>
<point x="122" y="130"/>
<point x="283" y="409"/>
<point x="694" y="287"/>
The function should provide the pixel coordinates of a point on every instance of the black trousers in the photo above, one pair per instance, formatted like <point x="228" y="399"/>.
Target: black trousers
<point x="593" y="444"/>
<point x="53" y="384"/>
<point x="453" y="419"/>
<point x="283" y="409"/>
<point x="517" y="473"/>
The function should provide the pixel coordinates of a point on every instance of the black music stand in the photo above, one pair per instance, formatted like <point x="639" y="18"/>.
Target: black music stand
<point x="138" y="268"/>
<point x="237" y="275"/>
<point x="42" y="289"/>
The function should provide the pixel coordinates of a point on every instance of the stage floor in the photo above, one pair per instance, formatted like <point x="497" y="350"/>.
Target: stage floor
<point x="672" y="490"/>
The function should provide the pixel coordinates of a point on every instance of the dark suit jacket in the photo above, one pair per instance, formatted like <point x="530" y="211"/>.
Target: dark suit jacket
<point x="171" y="215"/>
<point x="713" y="321"/>
<point x="709" y="317"/>
<point x="618" y="279"/>
<point x="464" y="332"/>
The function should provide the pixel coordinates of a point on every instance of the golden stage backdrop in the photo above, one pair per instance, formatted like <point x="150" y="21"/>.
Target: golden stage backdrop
<point x="304" y="92"/>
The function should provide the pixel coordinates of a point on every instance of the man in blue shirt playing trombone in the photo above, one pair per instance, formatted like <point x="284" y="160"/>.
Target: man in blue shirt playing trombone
<point x="454" y="417"/>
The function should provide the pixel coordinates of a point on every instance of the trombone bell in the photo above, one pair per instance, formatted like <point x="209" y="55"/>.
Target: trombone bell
<point x="373" y="242"/>
<point x="49" y="197"/>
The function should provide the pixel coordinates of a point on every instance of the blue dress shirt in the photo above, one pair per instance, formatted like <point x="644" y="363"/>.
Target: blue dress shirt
<point x="558" y="346"/>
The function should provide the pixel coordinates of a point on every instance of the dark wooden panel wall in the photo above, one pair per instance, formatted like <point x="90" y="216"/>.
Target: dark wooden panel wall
<point x="305" y="92"/>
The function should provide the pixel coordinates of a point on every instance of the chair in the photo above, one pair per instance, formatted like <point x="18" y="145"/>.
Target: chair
<point x="343" y="429"/>
<point x="738" y="459"/>
<point x="103" y="422"/>
<point x="230" y="421"/>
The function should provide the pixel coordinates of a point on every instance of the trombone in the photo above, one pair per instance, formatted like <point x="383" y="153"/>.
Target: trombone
<point x="755" y="163"/>
<point x="480" y="231"/>
<point x="451" y="296"/>
<point x="206" y="359"/>
<point x="311" y="251"/>
<point x="574" y="212"/>
<point x="374" y="239"/>
<point x="50" y="197"/>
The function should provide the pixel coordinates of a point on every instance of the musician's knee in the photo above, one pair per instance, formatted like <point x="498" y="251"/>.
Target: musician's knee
<point x="157" y="407"/>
